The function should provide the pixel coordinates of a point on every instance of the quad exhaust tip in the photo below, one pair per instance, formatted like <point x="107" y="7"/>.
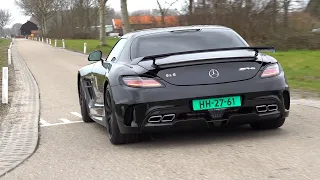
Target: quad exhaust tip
<point x="267" y="108"/>
<point x="160" y="118"/>
<point x="168" y="118"/>
<point x="155" y="119"/>
<point x="272" y="107"/>
<point x="262" y="108"/>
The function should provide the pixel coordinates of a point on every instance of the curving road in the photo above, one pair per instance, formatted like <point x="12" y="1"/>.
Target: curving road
<point x="70" y="149"/>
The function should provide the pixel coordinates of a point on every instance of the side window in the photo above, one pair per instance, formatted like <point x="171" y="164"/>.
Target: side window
<point x="117" y="49"/>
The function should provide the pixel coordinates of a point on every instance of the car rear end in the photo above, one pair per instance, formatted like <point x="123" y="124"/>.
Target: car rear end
<point x="230" y="87"/>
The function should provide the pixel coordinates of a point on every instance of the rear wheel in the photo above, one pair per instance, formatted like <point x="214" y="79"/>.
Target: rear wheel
<point x="83" y="106"/>
<point x="269" y="124"/>
<point x="114" y="134"/>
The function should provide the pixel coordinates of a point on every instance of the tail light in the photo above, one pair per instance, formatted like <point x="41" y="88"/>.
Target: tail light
<point x="141" y="82"/>
<point x="271" y="71"/>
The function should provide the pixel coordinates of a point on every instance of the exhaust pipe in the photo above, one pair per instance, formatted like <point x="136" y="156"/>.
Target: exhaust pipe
<point x="168" y="118"/>
<point x="155" y="119"/>
<point x="272" y="107"/>
<point x="261" y="109"/>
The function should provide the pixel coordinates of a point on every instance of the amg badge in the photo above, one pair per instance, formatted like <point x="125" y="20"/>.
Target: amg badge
<point x="247" y="68"/>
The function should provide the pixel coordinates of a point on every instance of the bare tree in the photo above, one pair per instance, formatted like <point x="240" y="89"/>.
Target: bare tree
<point x="41" y="10"/>
<point x="190" y="7"/>
<point x="125" y="17"/>
<point x="164" y="9"/>
<point x="5" y="17"/>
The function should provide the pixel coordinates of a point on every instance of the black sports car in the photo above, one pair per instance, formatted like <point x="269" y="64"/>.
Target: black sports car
<point x="170" y="78"/>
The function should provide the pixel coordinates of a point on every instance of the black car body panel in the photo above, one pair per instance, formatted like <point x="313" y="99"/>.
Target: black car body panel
<point x="177" y="100"/>
<point x="183" y="78"/>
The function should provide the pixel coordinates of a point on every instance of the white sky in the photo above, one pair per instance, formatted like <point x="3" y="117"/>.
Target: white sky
<point x="133" y="5"/>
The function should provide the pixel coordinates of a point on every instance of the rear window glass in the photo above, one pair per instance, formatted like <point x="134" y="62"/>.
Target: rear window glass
<point x="168" y="42"/>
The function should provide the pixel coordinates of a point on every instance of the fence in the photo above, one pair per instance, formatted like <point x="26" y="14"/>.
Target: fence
<point x="63" y="42"/>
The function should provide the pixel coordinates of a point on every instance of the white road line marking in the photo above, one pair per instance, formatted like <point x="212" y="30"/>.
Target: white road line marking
<point x="65" y="120"/>
<point x="57" y="124"/>
<point x="76" y="114"/>
<point x="43" y="122"/>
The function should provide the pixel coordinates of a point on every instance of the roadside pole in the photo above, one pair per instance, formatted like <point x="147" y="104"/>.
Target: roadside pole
<point x="55" y="43"/>
<point x="85" y="48"/>
<point x="5" y="77"/>
<point x="5" y="84"/>
<point x="63" y="44"/>
<point x="50" y="41"/>
<point x="42" y="39"/>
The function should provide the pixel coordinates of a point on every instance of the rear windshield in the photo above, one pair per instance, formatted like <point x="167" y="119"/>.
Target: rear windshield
<point x="168" y="42"/>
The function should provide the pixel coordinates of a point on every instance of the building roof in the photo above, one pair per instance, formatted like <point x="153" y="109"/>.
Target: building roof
<point x="29" y="25"/>
<point x="169" y="20"/>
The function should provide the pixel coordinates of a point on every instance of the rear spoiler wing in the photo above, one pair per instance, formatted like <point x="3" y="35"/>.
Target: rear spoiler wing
<point x="154" y="57"/>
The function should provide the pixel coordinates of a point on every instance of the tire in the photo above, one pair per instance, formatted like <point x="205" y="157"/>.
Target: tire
<point x="269" y="124"/>
<point x="84" y="107"/>
<point x="114" y="134"/>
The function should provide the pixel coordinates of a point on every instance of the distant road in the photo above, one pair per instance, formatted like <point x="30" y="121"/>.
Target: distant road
<point x="70" y="149"/>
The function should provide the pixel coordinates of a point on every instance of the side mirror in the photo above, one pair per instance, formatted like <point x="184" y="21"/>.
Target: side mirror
<point x="95" y="56"/>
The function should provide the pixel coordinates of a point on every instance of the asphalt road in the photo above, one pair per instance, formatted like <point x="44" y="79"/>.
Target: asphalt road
<point x="82" y="151"/>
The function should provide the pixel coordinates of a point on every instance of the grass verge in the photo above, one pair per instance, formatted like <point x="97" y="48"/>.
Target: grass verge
<point x="4" y="44"/>
<point x="302" y="69"/>
<point x="92" y="44"/>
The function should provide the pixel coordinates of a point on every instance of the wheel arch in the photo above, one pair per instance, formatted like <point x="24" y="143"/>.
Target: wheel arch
<point x="78" y="83"/>
<point x="105" y="85"/>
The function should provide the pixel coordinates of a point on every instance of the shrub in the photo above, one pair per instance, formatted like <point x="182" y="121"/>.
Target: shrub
<point x="81" y="35"/>
<point x="289" y="41"/>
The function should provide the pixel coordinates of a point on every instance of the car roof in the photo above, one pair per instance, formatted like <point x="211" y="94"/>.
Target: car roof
<point x="168" y="29"/>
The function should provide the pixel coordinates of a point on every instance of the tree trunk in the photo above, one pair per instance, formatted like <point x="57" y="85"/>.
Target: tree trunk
<point x="203" y="4"/>
<point x="81" y="16"/>
<point x="163" y="23"/>
<point x="102" y="23"/>
<point x="43" y="26"/>
<point x="125" y="17"/>
<point x="190" y="7"/>
<point x="274" y="15"/>
<point x="190" y="12"/>
<point x="286" y="5"/>
<point x="162" y="12"/>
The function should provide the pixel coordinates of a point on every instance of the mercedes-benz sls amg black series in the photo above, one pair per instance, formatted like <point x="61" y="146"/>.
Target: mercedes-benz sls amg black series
<point x="170" y="78"/>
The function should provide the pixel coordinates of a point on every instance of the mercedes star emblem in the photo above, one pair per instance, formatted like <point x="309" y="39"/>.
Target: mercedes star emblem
<point x="213" y="73"/>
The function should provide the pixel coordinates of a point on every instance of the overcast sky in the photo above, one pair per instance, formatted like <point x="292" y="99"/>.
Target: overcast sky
<point x="133" y="5"/>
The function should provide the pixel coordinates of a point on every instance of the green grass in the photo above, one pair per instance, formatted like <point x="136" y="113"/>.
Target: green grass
<point x="4" y="44"/>
<point x="302" y="68"/>
<point x="92" y="44"/>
